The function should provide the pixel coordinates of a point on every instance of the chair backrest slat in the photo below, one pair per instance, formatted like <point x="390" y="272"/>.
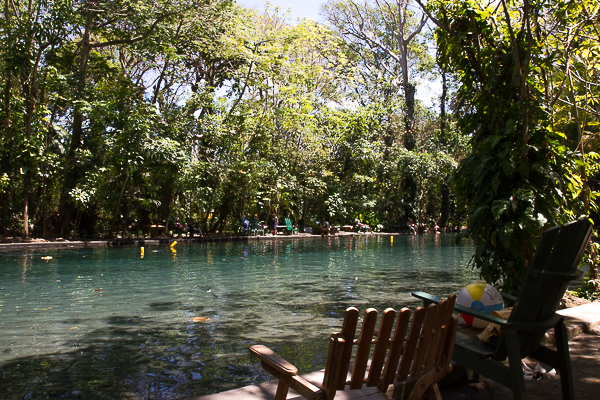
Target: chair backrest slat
<point x="396" y="348"/>
<point x="335" y="354"/>
<point x="411" y="344"/>
<point x="441" y="324"/>
<point x="424" y="343"/>
<point x="348" y="332"/>
<point x="381" y="347"/>
<point x="447" y="309"/>
<point x="364" y="348"/>
<point x="434" y="345"/>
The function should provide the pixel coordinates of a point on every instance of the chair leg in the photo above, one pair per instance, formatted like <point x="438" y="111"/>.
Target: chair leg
<point x="515" y="364"/>
<point x="433" y="393"/>
<point x="426" y="386"/>
<point x="282" y="391"/>
<point x="564" y="361"/>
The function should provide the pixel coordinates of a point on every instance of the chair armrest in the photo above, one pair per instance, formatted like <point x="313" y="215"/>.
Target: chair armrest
<point x="479" y="314"/>
<point x="519" y="325"/>
<point x="509" y="298"/>
<point x="512" y="324"/>
<point x="535" y="326"/>
<point x="426" y="297"/>
<point x="269" y="357"/>
<point x="429" y="299"/>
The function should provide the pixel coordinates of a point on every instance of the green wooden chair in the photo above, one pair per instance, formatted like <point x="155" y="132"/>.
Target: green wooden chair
<point x="256" y="228"/>
<point x="554" y="265"/>
<point x="290" y="229"/>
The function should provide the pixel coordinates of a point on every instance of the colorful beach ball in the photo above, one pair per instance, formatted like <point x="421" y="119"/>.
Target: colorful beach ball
<point x="479" y="296"/>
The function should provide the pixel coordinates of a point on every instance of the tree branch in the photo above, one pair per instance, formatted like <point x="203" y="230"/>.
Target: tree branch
<point x="436" y="21"/>
<point x="418" y="30"/>
<point x="132" y="40"/>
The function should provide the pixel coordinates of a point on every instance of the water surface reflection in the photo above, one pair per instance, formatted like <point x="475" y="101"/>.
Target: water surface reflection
<point x="106" y="323"/>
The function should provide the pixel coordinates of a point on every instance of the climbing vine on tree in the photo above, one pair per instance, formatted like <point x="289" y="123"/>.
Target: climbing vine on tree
<point x="521" y="175"/>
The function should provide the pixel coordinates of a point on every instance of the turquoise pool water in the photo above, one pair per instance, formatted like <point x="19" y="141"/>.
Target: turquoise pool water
<point x="107" y="323"/>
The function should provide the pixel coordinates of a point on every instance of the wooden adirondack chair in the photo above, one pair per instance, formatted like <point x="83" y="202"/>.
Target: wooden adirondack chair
<point x="554" y="264"/>
<point x="420" y="356"/>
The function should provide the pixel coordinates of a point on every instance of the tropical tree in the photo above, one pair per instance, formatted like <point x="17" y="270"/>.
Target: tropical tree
<point x="31" y="32"/>
<point x="387" y="39"/>
<point x="521" y="176"/>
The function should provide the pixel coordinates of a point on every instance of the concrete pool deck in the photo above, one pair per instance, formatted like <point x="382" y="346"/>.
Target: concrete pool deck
<point x="71" y="244"/>
<point x="267" y="390"/>
<point x="583" y="324"/>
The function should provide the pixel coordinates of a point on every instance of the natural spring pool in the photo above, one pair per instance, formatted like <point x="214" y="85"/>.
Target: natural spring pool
<point x="105" y="323"/>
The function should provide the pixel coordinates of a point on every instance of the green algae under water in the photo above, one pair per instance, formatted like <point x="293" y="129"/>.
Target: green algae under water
<point x="106" y="323"/>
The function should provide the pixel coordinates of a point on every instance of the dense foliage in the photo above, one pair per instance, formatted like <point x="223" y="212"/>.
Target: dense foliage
<point x="531" y="111"/>
<point x="121" y="115"/>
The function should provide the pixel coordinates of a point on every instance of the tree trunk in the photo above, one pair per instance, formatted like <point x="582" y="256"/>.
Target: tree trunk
<point x="5" y="209"/>
<point x="445" y="189"/>
<point x="43" y="210"/>
<point x="410" y="140"/>
<point x="165" y="206"/>
<point x="30" y="89"/>
<point x="25" y="207"/>
<point x="125" y="219"/>
<point x="4" y="162"/>
<point x="445" y="206"/>
<point x="118" y="205"/>
<point x="66" y="207"/>
<point x="443" y="108"/>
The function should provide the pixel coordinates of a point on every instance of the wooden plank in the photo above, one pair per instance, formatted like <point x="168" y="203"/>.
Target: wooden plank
<point x="435" y="343"/>
<point x="339" y="374"/>
<point x="442" y="326"/>
<point x="450" y="342"/>
<point x="348" y="332"/>
<point x="268" y="356"/>
<point x="381" y="346"/>
<point x="397" y="345"/>
<point x="306" y="389"/>
<point x="363" y="349"/>
<point x="424" y="346"/>
<point x="282" y="385"/>
<point x="331" y="366"/>
<point x="296" y="382"/>
<point x="282" y="390"/>
<point x="427" y="386"/>
<point x="411" y="344"/>
<point x="450" y="326"/>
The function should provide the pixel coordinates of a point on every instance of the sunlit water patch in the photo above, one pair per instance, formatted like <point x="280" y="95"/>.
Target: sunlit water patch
<point x="107" y="323"/>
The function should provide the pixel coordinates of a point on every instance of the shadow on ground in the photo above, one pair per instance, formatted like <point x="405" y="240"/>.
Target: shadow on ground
<point x="585" y="360"/>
